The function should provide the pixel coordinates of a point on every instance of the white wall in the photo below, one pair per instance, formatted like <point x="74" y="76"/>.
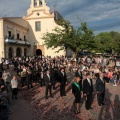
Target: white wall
<point x="1" y="40"/>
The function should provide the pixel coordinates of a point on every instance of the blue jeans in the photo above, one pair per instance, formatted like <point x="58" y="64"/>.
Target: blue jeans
<point x="112" y="80"/>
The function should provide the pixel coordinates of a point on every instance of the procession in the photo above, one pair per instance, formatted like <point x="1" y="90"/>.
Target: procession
<point x="59" y="60"/>
<point x="47" y="72"/>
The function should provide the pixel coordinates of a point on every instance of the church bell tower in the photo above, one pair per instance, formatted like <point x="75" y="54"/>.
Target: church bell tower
<point x="38" y="3"/>
<point x="37" y="7"/>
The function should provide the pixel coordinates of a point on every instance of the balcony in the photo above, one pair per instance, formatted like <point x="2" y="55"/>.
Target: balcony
<point x="28" y="43"/>
<point x="9" y="40"/>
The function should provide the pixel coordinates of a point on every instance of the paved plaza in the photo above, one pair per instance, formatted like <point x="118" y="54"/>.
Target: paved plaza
<point x="32" y="105"/>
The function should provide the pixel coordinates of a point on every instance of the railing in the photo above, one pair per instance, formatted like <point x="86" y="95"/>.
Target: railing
<point x="17" y="42"/>
<point x="15" y="38"/>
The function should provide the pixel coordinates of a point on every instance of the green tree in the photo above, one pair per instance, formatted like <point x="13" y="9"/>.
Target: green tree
<point x="66" y="37"/>
<point x="60" y="36"/>
<point x="107" y="41"/>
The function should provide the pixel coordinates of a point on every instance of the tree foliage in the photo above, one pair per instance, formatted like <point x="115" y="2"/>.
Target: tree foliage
<point x="66" y="37"/>
<point x="107" y="41"/>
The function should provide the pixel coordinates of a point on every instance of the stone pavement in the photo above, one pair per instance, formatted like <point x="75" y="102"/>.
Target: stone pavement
<point x="31" y="105"/>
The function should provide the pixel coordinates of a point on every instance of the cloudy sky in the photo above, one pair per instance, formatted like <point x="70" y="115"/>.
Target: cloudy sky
<point x="101" y="15"/>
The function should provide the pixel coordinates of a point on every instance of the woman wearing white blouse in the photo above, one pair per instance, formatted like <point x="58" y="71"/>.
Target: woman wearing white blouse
<point x="14" y="86"/>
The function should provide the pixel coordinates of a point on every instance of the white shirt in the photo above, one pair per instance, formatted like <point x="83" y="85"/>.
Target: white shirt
<point x="7" y="62"/>
<point x="102" y="80"/>
<point x="63" y="73"/>
<point x="79" y="73"/>
<point x="89" y="81"/>
<point x="14" y="83"/>
<point x="48" y="76"/>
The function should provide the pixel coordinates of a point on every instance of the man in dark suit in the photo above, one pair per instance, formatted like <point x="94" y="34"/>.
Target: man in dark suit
<point x="100" y="88"/>
<point x="88" y="91"/>
<point x="63" y="80"/>
<point x="29" y="79"/>
<point x="78" y="73"/>
<point x="53" y="76"/>
<point x="48" y="84"/>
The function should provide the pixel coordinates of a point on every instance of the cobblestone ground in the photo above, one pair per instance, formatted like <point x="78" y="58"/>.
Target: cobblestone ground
<point x="31" y="105"/>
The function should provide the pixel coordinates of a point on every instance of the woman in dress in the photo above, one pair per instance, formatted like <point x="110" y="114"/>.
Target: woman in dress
<point x="6" y="76"/>
<point x="14" y="86"/>
<point x="76" y="90"/>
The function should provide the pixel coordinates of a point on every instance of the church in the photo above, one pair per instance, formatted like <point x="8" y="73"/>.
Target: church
<point x="23" y="36"/>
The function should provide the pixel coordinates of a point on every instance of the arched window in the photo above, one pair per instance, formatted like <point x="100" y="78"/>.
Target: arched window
<point x="38" y="52"/>
<point x="40" y="3"/>
<point x="10" y="52"/>
<point x="35" y="2"/>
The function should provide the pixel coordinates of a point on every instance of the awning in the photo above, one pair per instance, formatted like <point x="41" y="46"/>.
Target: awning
<point x="10" y="41"/>
<point x="28" y="43"/>
<point x="21" y="42"/>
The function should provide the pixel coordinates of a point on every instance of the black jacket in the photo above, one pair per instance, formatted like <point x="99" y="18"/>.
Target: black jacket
<point x="100" y="85"/>
<point x="62" y="79"/>
<point x="47" y="80"/>
<point x="75" y="90"/>
<point x="87" y="88"/>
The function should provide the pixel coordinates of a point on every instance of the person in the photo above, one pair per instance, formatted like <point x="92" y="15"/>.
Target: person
<point x="48" y="84"/>
<point x="76" y="90"/>
<point x="100" y="88"/>
<point x="88" y="91"/>
<point x="110" y="76"/>
<point x="41" y="77"/>
<point x="14" y="86"/>
<point x="116" y="78"/>
<point x="7" y="63"/>
<point x="29" y="79"/>
<point x="96" y="71"/>
<point x="35" y="73"/>
<point x="106" y="78"/>
<point x="4" y="104"/>
<point x="63" y="81"/>
<point x="6" y="76"/>
<point x="53" y="76"/>
<point x="78" y="73"/>
<point x="2" y="82"/>
<point x="23" y="77"/>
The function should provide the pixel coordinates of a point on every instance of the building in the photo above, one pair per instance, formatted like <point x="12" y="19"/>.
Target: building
<point x="23" y="36"/>
<point x="13" y="37"/>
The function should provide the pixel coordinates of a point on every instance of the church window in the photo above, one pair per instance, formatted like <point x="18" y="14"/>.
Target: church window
<point x="9" y="33"/>
<point x="18" y="36"/>
<point x="40" y="3"/>
<point x="24" y="38"/>
<point x="37" y="25"/>
<point x="35" y="2"/>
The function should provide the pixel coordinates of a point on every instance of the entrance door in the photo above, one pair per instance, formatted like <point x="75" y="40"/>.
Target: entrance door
<point x="38" y="52"/>
<point x="18" y="52"/>
<point x="10" y="52"/>
<point x="25" y="52"/>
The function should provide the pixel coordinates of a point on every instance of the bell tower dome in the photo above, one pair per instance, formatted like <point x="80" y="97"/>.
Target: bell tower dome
<point x="37" y="9"/>
<point x="36" y="3"/>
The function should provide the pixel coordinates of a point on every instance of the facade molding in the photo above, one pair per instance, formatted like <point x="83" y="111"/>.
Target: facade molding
<point x="14" y="24"/>
<point x="38" y="18"/>
<point x="48" y="15"/>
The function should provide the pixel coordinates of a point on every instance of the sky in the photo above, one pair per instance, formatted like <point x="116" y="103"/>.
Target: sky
<point x="100" y="15"/>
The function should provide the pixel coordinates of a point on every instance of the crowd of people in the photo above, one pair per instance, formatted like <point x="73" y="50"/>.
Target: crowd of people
<point x="47" y="71"/>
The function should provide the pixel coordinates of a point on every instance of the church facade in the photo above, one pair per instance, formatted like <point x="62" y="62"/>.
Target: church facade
<point x="23" y="36"/>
